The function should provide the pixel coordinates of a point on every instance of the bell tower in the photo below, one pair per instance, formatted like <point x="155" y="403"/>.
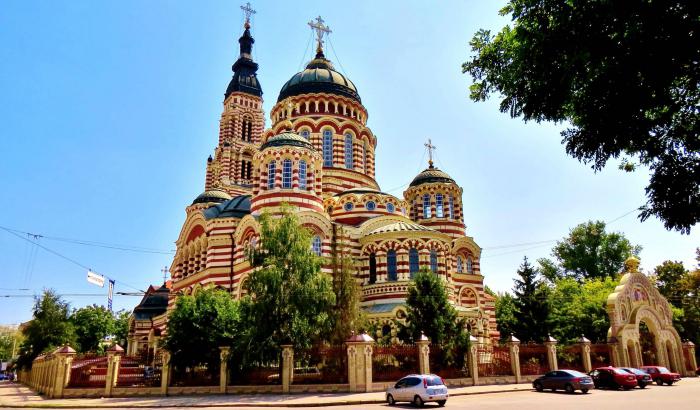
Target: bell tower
<point x="241" y="125"/>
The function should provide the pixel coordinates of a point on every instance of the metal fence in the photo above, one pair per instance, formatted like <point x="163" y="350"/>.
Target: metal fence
<point x="533" y="359"/>
<point x="137" y="371"/>
<point x="390" y="363"/>
<point x="195" y="376"/>
<point x="450" y="362"/>
<point x="256" y="374"/>
<point x="88" y="371"/>
<point x="321" y="364"/>
<point x="570" y="357"/>
<point x="493" y="361"/>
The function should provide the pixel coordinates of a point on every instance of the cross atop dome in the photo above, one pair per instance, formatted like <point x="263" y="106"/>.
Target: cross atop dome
<point x="321" y="30"/>
<point x="429" y="145"/>
<point x="248" y="11"/>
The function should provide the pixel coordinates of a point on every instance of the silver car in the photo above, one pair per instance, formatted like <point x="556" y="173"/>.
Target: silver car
<point x="418" y="389"/>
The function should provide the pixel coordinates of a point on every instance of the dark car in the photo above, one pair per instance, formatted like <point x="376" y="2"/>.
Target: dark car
<point x="612" y="378"/>
<point x="643" y="378"/>
<point x="568" y="380"/>
<point x="661" y="375"/>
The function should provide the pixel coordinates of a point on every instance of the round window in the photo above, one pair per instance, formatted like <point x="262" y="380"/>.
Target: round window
<point x="370" y="206"/>
<point x="390" y="207"/>
<point x="348" y="206"/>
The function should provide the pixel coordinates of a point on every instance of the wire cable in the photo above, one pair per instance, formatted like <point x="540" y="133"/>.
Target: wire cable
<point x="308" y="43"/>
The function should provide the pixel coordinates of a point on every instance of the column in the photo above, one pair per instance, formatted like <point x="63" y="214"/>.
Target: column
<point x="224" y="353"/>
<point x="381" y="266"/>
<point x="287" y="367"/>
<point x="514" y="348"/>
<point x="551" y="344"/>
<point x="689" y="349"/>
<point x="585" y="345"/>
<point x="65" y="358"/>
<point x="473" y="360"/>
<point x="614" y="352"/>
<point x="165" y="373"/>
<point x="423" y="345"/>
<point x="360" y="362"/>
<point x="113" y="359"/>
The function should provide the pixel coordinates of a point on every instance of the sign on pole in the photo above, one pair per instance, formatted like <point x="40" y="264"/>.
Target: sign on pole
<point x="109" y="294"/>
<point x="95" y="279"/>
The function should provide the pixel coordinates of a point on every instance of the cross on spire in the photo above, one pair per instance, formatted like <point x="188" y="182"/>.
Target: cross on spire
<point x="321" y="30"/>
<point x="429" y="145"/>
<point x="165" y="273"/>
<point x="248" y="10"/>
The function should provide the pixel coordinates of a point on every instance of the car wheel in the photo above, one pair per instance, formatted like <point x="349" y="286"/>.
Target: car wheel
<point x="670" y="383"/>
<point x="390" y="399"/>
<point x="642" y="385"/>
<point x="584" y="391"/>
<point x="417" y="401"/>
<point x="538" y="386"/>
<point x="569" y="389"/>
<point x="659" y="382"/>
<point x="441" y="403"/>
<point x="626" y="387"/>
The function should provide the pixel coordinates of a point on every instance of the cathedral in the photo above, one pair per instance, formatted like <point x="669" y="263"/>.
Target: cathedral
<point x="318" y="156"/>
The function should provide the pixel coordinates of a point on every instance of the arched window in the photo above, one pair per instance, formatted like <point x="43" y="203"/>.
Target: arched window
<point x="386" y="330"/>
<point x="459" y="264"/>
<point x="372" y="268"/>
<point x="365" y="165"/>
<point x="287" y="173"/>
<point x="470" y="267"/>
<point x="271" y="175"/>
<point x="391" y="265"/>
<point x="426" y="207"/>
<point x="306" y="134"/>
<point x="348" y="151"/>
<point x="439" y="210"/>
<point x="316" y="245"/>
<point x="247" y="130"/>
<point x="413" y="265"/>
<point x="370" y="205"/>
<point x="302" y="174"/>
<point x="327" y="148"/>
<point x="433" y="261"/>
<point x="451" y="207"/>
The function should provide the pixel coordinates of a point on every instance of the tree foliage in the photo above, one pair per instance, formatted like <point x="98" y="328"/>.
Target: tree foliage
<point x="624" y="75"/>
<point x="121" y="327"/>
<point x="49" y="328"/>
<point x="199" y="325"/>
<point x="10" y="341"/>
<point x="92" y="324"/>
<point x="346" y="316"/>
<point x="589" y="252"/>
<point x="289" y="299"/>
<point x="505" y="315"/>
<point x="531" y="305"/>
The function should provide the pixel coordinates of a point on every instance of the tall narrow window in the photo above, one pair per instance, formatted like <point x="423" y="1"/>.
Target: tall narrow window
<point x="327" y="148"/>
<point x="413" y="265"/>
<point x="316" y="245"/>
<point x="451" y="209"/>
<point x="459" y="264"/>
<point x="426" y="207"/>
<point x="433" y="261"/>
<point x="391" y="265"/>
<point x="249" y="169"/>
<point x="246" y="130"/>
<point x="348" y="151"/>
<point x="302" y="174"/>
<point x="365" y="165"/>
<point x="470" y="266"/>
<point x="439" y="210"/>
<point x="249" y="132"/>
<point x="372" y="268"/>
<point x="271" y="175"/>
<point x="287" y="173"/>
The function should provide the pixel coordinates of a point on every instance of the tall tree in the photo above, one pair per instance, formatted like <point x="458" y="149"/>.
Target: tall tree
<point x="10" y="340"/>
<point x="624" y="75"/>
<point x="588" y="252"/>
<point x="92" y="324"/>
<point x="345" y="315"/>
<point x="121" y="327"/>
<point x="669" y="277"/>
<point x="531" y="304"/>
<point x="289" y="299"/>
<point x="49" y="328"/>
<point x="199" y="325"/>
<point x="505" y="315"/>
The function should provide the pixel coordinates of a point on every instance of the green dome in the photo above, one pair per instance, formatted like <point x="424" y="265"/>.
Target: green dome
<point x="287" y="138"/>
<point x="319" y="76"/>
<point x="430" y="175"/>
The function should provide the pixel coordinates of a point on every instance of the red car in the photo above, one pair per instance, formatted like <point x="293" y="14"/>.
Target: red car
<point x="661" y="375"/>
<point x="613" y="378"/>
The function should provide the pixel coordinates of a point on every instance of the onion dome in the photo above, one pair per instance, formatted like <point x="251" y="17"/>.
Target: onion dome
<point x="212" y="195"/>
<point x="431" y="174"/>
<point x="287" y="138"/>
<point x="245" y="70"/>
<point x="319" y="76"/>
<point x="236" y="207"/>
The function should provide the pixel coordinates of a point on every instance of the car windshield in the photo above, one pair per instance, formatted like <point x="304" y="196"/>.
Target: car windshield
<point x="620" y="371"/>
<point x="433" y="380"/>
<point x="633" y="371"/>
<point x="663" y="370"/>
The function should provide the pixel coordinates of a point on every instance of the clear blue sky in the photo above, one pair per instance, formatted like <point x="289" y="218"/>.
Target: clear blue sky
<point x="110" y="109"/>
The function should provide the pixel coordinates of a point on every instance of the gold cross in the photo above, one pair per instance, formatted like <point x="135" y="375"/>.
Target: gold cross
<point x="321" y="30"/>
<point x="429" y="145"/>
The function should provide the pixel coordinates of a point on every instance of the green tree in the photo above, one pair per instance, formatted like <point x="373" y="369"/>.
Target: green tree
<point x="624" y="75"/>
<point x="588" y="252"/>
<point x="199" y="325"/>
<point x="289" y="299"/>
<point x="669" y="278"/>
<point x="49" y="328"/>
<point x="10" y="340"/>
<point x="505" y="315"/>
<point x="92" y="324"/>
<point x="531" y="304"/>
<point x="121" y="327"/>
<point x="346" y="314"/>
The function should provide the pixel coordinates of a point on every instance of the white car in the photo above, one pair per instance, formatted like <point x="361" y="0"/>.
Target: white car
<point x="418" y="389"/>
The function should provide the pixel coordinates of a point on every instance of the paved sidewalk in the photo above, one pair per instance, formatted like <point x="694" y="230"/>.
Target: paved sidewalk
<point x="19" y="396"/>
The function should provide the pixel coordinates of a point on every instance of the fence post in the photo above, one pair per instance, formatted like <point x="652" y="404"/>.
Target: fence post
<point x="585" y="345"/>
<point x="689" y="348"/>
<point x="225" y="352"/>
<point x="165" y="373"/>
<point x="113" y="359"/>
<point x="474" y="360"/>
<point x="287" y="367"/>
<point x="360" y="362"/>
<point x="514" y="347"/>
<point x="65" y="360"/>
<point x="551" y="344"/>
<point x="423" y="345"/>
<point x="615" y="353"/>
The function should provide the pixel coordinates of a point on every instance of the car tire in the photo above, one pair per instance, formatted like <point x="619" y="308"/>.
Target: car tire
<point x="441" y="403"/>
<point x="390" y="399"/>
<point x="659" y="382"/>
<point x="642" y="385"/>
<point x="584" y="391"/>
<point x="670" y="383"/>
<point x="539" y="387"/>
<point x="569" y="389"/>
<point x="418" y="402"/>
<point x="626" y="388"/>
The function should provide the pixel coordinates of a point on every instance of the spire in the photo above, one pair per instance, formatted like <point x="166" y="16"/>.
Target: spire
<point x="245" y="69"/>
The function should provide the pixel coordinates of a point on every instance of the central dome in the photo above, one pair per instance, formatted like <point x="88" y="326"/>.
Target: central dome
<point x="319" y="76"/>
<point x="431" y="174"/>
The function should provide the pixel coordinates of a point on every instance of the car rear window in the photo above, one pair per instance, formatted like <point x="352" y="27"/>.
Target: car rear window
<point x="433" y="380"/>
<point x="663" y="370"/>
<point x="575" y="373"/>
